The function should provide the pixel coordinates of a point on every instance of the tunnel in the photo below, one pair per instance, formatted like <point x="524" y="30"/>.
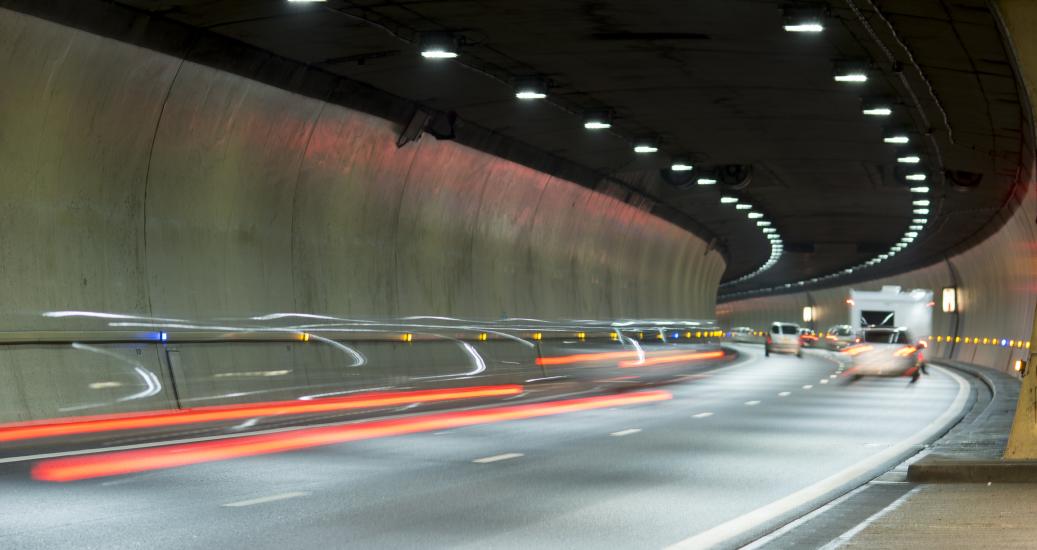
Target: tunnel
<point x="347" y="273"/>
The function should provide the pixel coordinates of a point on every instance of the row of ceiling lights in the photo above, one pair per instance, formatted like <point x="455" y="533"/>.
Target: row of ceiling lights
<point x="445" y="45"/>
<point x="810" y="20"/>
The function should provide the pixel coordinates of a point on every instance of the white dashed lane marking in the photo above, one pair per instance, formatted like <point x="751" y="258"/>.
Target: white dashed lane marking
<point x="702" y="415"/>
<point x="752" y="403"/>
<point x="264" y="500"/>
<point x="621" y="433"/>
<point x="807" y="387"/>
<point x="785" y="394"/>
<point x="497" y="458"/>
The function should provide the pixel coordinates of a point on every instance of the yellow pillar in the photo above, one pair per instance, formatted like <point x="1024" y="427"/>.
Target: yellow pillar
<point x="1020" y="18"/>
<point x="1022" y="441"/>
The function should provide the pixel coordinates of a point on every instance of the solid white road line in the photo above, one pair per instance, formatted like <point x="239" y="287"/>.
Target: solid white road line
<point x="845" y="537"/>
<point x="785" y="394"/>
<point x="764" y="541"/>
<point x="264" y="500"/>
<point x="497" y="458"/>
<point x="740" y="525"/>
<point x="702" y="415"/>
<point x="621" y="433"/>
<point x="752" y="403"/>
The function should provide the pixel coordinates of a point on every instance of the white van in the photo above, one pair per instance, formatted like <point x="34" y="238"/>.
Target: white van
<point x="783" y="338"/>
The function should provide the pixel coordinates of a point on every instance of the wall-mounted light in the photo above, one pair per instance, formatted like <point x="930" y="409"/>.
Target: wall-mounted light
<point x="950" y="299"/>
<point x="808" y="314"/>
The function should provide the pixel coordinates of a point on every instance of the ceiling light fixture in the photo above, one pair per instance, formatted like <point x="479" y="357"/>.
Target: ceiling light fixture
<point x="921" y="189"/>
<point x="909" y="159"/>
<point x="728" y="200"/>
<point x="681" y="166"/>
<point x="755" y="215"/>
<point x="916" y="176"/>
<point x="921" y="211"/>
<point x="803" y="19"/>
<point x="531" y="87"/>
<point x="706" y="181"/>
<point x="645" y="145"/>
<point x="743" y="206"/>
<point x="851" y="72"/>
<point x="439" y="45"/>
<point x="923" y="202"/>
<point x="598" y="120"/>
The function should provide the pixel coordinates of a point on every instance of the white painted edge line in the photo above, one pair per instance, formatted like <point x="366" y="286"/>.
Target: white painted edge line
<point x="621" y="433"/>
<point x="497" y="458"/>
<point x="702" y="415"/>
<point x="264" y="500"/>
<point x="764" y="541"/>
<point x="732" y="528"/>
<point x="845" y="537"/>
<point x="752" y="403"/>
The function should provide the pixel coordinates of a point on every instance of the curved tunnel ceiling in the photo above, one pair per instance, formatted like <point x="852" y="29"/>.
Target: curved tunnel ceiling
<point x="718" y="81"/>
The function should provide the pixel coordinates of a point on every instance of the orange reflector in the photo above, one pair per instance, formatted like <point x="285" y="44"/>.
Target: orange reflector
<point x="116" y="422"/>
<point x="142" y="460"/>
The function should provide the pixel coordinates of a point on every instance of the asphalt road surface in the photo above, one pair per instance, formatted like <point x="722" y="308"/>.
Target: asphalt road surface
<point x="736" y="448"/>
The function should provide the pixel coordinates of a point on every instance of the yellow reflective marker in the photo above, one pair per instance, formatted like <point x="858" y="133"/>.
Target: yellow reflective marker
<point x="581" y="335"/>
<point x="407" y="337"/>
<point x="614" y="337"/>
<point x="538" y="336"/>
<point x="483" y="337"/>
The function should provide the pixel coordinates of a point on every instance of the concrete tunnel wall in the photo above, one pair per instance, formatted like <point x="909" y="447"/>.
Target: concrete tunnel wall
<point x="136" y="182"/>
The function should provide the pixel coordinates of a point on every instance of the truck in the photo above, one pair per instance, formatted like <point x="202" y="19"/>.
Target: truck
<point x="893" y="307"/>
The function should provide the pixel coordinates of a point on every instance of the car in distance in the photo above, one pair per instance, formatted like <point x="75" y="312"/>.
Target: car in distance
<point x="807" y="338"/>
<point x="743" y="334"/>
<point x="886" y="352"/>
<point x="783" y="338"/>
<point x="839" y="337"/>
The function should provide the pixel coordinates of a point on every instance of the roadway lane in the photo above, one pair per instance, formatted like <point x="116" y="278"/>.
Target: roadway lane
<point x="730" y="442"/>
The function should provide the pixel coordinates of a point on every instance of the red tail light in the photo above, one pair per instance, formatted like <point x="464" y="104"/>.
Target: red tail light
<point x="768" y="339"/>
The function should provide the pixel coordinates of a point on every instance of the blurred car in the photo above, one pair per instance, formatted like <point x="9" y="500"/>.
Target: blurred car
<point x="807" y="337"/>
<point x="886" y="352"/>
<point x="783" y="338"/>
<point x="743" y="334"/>
<point x="839" y="337"/>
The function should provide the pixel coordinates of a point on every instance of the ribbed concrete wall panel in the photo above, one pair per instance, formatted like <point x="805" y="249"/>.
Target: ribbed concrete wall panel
<point x="77" y="117"/>
<point x="134" y="182"/>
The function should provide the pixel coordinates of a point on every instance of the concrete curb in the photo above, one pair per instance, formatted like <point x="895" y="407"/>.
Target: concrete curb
<point x="972" y="452"/>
